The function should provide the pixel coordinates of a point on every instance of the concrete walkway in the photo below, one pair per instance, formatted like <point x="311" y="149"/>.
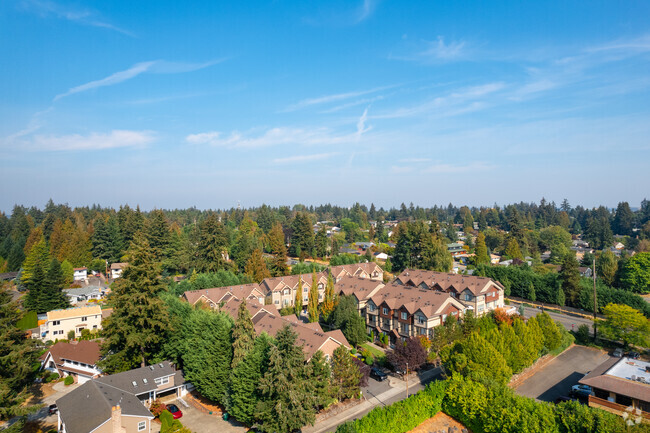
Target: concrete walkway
<point x="397" y="387"/>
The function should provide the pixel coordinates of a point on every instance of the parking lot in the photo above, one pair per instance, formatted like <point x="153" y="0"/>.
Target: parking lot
<point x="557" y="377"/>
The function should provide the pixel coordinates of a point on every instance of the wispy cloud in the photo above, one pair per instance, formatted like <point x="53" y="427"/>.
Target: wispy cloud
<point x="440" y="51"/>
<point x="154" y="67"/>
<point x="333" y="98"/>
<point x="364" y="101"/>
<point x="366" y="9"/>
<point x="272" y="137"/>
<point x="304" y="158"/>
<point x="442" y="168"/>
<point x="46" y="8"/>
<point x="361" y="125"/>
<point x="640" y="44"/>
<point x="93" y="141"/>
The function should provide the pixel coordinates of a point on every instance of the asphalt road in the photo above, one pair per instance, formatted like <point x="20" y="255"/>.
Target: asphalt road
<point x="571" y="323"/>
<point x="558" y="376"/>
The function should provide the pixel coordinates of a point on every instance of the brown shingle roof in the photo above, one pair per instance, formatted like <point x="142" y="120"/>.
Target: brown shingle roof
<point x="599" y="378"/>
<point x="354" y="268"/>
<point x="83" y="351"/>
<point x="118" y="265"/>
<point x="430" y="302"/>
<point x="362" y="288"/>
<point x="278" y="283"/>
<point x="219" y="294"/>
<point x="447" y="281"/>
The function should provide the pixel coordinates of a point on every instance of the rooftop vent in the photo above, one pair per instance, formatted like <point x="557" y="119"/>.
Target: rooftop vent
<point x="135" y="384"/>
<point x="161" y="366"/>
<point x="144" y="381"/>
<point x="151" y="367"/>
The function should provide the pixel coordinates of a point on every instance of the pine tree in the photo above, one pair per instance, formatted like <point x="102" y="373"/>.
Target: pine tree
<point x="327" y="306"/>
<point x="319" y="374"/>
<point x="512" y="249"/>
<point x="278" y="248"/>
<point x="345" y="374"/>
<point x="298" y="298"/>
<point x="243" y="334"/>
<point x="35" y="299"/>
<point x="570" y="278"/>
<point x="38" y="257"/>
<point x="312" y="303"/>
<point x="321" y="243"/>
<point x="213" y="245"/>
<point x="53" y="297"/>
<point x="135" y="332"/>
<point x="244" y="394"/>
<point x="302" y="239"/>
<point x="287" y="402"/>
<point x="17" y="358"/>
<point x="256" y="267"/>
<point x="158" y="235"/>
<point x="561" y="298"/>
<point x="482" y="256"/>
<point x="550" y="332"/>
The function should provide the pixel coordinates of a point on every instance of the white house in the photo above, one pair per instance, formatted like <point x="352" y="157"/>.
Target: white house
<point x="116" y="269"/>
<point x="80" y="274"/>
<point x="76" y="358"/>
<point x="60" y="322"/>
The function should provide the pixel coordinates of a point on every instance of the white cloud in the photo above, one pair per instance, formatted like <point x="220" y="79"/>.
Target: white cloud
<point x="154" y="67"/>
<point x="440" y="51"/>
<point x="49" y="8"/>
<point x="361" y="125"/>
<point x="639" y="44"/>
<point x="333" y="98"/>
<point x="367" y="8"/>
<point x="95" y="141"/>
<point x="303" y="158"/>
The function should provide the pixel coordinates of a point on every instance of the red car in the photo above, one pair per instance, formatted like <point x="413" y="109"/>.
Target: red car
<point x="174" y="410"/>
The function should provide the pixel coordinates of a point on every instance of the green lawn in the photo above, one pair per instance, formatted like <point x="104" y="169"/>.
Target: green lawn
<point x="378" y="354"/>
<point x="29" y="321"/>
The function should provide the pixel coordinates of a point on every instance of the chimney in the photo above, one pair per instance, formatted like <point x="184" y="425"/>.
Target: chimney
<point x="116" y="420"/>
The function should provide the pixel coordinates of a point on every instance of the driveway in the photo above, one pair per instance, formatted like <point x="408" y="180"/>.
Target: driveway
<point x="558" y="376"/>
<point x="197" y="421"/>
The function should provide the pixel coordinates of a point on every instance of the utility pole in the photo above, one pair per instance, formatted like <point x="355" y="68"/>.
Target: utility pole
<point x="407" y="380"/>
<point x="593" y="271"/>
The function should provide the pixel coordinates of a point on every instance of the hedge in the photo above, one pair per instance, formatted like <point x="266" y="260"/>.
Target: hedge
<point x="402" y="416"/>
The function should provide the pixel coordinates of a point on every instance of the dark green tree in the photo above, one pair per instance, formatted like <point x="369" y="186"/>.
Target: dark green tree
<point x="345" y="375"/>
<point x="321" y="242"/>
<point x="136" y="330"/>
<point x="312" y="303"/>
<point x="319" y="374"/>
<point x="244" y="394"/>
<point x="278" y="248"/>
<point x="158" y="235"/>
<point x="243" y="334"/>
<point x="213" y="245"/>
<point x="635" y="274"/>
<point x="482" y="256"/>
<point x="623" y="219"/>
<point x="346" y="318"/>
<point x="302" y="239"/>
<point x="570" y="278"/>
<point x="53" y="297"/>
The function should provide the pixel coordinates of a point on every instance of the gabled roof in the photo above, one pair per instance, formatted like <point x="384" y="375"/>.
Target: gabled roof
<point x="362" y="288"/>
<point x="219" y="294"/>
<point x="355" y="269"/>
<point x="89" y="406"/>
<point x="276" y="284"/>
<point x="252" y="305"/>
<point x="88" y="310"/>
<point x="143" y="377"/>
<point x="446" y="281"/>
<point x="82" y="351"/>
<point x="430" y="302"/>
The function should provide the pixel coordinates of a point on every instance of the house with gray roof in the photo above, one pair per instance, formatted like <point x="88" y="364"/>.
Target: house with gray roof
<point x="119" y="402"/>
<point x="84" y="294"/>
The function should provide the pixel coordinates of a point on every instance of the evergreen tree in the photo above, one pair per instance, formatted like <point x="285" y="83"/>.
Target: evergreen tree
<point x="345" y="374"/>
<point x="256" y="267"/>
<point x="38" y="257"/>
<point x="302" y="239"/>
<point x="35" y="299"/>
<point x="606" y="267"/>
<point x="312" y="303"/>
<point x="482" y="256"/>
<point x="287" y="402"/>
<point x="328" y="305"/>
<point x="321" y="242"/>
<point x="213" y="245"/>
<point x="476" y="358"/>
<point x="319" y="375"/>
<point x="512" y="249"/>
<point x="561" y="297"/>
<point x="17" y="358"/>
<point x="53" y="297"/>
<point x="298" y="299"/>
<point x="346" y="318"/>
<point x="158" y="235"/>
<point x="244" y="394"/>
<point x="68" y="272"/>
<point x="623" y="220"/>
<point x="529" y="349"/>
<point x="550" y="332"/>
<point x="243" y="334"/>
<point x="135" y="332"/>
<point x="278" y="248"/>
<point x="570" y="278"/>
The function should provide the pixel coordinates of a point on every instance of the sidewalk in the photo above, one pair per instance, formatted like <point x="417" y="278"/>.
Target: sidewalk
<point x="368" y="404"/>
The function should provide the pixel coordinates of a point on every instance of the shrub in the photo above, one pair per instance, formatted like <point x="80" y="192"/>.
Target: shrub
<point x="157" y="407"/>
<point x="582" y="334"/>
<point x="50" y="377"/>
<point x="69" y="380"/>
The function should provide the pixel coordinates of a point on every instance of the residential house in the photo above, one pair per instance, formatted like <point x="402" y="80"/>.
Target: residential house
<point x="118" y="403"/>
<point x="495" y="259"/>
<point x="381" y="256"/>
<point x="84" y="294"/>
<point x="585" y="271"/>
<point x="403" y="311"/>
<point x="619" y="246"/>
<point x="621" y="385"/>
<point x="220" y="295"/>
<point x="80" y="274"/>
<point x="75" y="358"/>
<point x="60" y="322"/>
<point x="480" y="294"/>
<point x="455" y="249"/>
<point x="116" y="269"/>
<point x="281" y="291"/>
<point x="370" y="270"/>
<point x="361" y="289"/>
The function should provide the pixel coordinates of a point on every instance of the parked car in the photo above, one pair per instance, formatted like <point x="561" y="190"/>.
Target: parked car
<point x="377" y="374"/>
<point x="174" y="410"/>
<point x="633" y="355"/>
<point x="581" y="390"/>
<point x="52" y="409"/>
<point x="618" y="352"/>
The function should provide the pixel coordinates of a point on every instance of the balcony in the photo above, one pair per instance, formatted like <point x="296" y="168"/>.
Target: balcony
<point x="615" y="408"/>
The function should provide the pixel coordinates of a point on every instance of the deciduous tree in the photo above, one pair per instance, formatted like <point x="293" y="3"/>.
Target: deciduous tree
<point x="624" y="323"/>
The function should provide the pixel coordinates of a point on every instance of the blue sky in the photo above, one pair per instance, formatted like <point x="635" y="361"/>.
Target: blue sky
<point x="167" y="104"/>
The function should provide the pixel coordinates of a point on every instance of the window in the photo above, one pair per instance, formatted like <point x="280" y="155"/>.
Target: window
<point x="276" y="302"/>
<point x="305" y="289"/>
<point x="421" y="320"/>
<point x="372" y="307"/>
<point x="320" y="286"/>
<point x="56" y="323"/>
<point x="162" y="380"/>
<point x="444" y="316"/>
<point x="94" y="326"/>
<point x="468" y="297"/>
<point x="142" y="425"/>
<point x="404" y="315"/>
<point x="84" y="319"/>
<point x="481" y="308"/>
<point x="384" y="311"/>
<point x="286" y="291"/>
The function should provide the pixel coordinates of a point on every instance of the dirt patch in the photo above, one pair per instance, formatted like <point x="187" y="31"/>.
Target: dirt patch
<point x="441" y="423"/>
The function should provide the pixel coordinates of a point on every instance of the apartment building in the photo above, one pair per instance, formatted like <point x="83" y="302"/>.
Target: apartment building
<point x="361" y="289"/>
<point x="404" y="311"/>
<point x="220" y="295"/>
<point x="60" y="322"/>
<point x="481" y="294"/>
<point x="370" y="270"/>
<point x="281" y="291"/>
